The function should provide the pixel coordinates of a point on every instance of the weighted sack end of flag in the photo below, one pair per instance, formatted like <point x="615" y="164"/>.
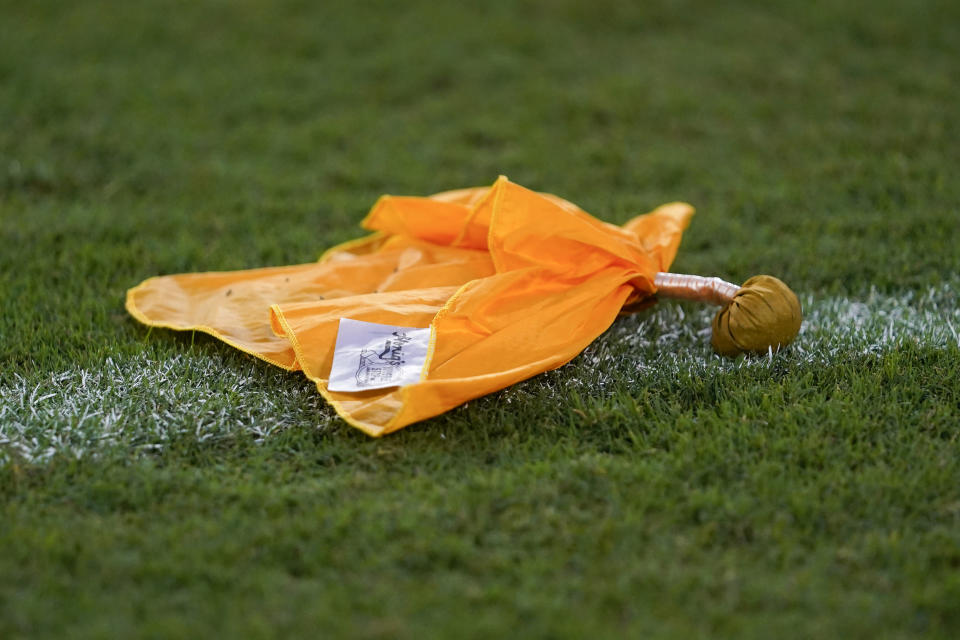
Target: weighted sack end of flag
<point x="764" y="314"/>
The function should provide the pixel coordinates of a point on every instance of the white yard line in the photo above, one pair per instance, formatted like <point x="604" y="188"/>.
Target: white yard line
<point x="671" y="342"/>
<point x="144" y="403"/>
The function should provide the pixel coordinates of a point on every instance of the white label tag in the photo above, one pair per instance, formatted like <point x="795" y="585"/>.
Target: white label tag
<point x="377" y="356"/>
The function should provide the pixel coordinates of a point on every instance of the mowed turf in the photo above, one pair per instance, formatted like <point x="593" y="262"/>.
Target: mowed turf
<point x="155" y="484"/>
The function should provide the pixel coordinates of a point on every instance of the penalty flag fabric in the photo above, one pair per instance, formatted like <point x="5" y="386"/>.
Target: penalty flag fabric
<point x="453" y="297"/>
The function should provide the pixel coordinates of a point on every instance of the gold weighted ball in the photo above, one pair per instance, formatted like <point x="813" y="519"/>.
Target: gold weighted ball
<point x="763" y="314"/>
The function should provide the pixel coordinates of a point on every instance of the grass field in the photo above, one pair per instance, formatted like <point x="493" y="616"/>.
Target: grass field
<point x="155" y="484"/>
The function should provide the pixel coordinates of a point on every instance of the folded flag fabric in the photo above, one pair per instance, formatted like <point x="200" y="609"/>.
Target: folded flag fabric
<point x="452" y="297"/>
